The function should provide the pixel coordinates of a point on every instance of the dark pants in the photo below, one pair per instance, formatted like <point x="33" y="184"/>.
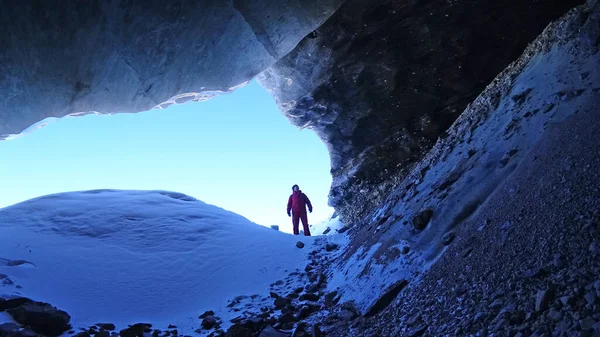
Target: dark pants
<point x="296" y="220"/>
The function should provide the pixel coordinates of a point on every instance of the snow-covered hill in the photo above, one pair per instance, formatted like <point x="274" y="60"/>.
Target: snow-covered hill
<point x="139" y="256"/>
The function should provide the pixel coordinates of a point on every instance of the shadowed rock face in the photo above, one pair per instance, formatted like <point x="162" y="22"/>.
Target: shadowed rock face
<point x="64" y="57"/>
<point x="381" y="80"/>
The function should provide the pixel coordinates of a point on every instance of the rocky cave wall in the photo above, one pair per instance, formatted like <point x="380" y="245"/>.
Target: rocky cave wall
<point x="381" y="80"/>
<point x="378" y="81"/>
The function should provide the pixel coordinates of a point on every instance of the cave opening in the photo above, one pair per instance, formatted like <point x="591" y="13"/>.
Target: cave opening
<point x="235" y="151"/>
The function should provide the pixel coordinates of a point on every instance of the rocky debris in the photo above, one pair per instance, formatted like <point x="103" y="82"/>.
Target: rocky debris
<point x="421" y="220"/>
<point x="299" y="309"/>
<point x="41" y="317"/>
<point x="300" y="244"/>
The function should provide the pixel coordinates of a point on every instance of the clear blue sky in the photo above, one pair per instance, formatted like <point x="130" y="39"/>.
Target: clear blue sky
<point x="236" y="151"/>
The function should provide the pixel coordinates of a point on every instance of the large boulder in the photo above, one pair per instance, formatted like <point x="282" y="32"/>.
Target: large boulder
<point x="42" y="318"/>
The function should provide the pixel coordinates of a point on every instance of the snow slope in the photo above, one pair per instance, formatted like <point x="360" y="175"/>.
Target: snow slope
<point x="139" y="256"/>
<point x="333" y="223"/>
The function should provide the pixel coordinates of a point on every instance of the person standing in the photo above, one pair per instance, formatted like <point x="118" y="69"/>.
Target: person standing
<point x="296" y="208"/>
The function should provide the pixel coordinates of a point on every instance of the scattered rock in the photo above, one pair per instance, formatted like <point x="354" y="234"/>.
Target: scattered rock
<point x="405" y="250"/>
<point x="106" y="326"/>
<point x="543" y="298"/>
<point x="41" y="318"/>
<point x="568" y="300"/>
<point x="281" y="302"/>
<point x="286" y="318"/>
<point x="329" y="298"/>
<point x="554" y="315"/>
<point x="209" y="322"/>
<point x="422" y="219"/>
<point x="136" y="330"/>
<point x="254" y="324"/>
<point x="304" y="312"/>
<point x="344" y="229"/>
<point x="171" y="326"/>
<point x="209" y="313"/>
<point x="387" y="298"/>
<point x="590" y="298"/>
<point x="300" y="244"/>
<point x="331" y="247"/>
<point x="238" y="330"/>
